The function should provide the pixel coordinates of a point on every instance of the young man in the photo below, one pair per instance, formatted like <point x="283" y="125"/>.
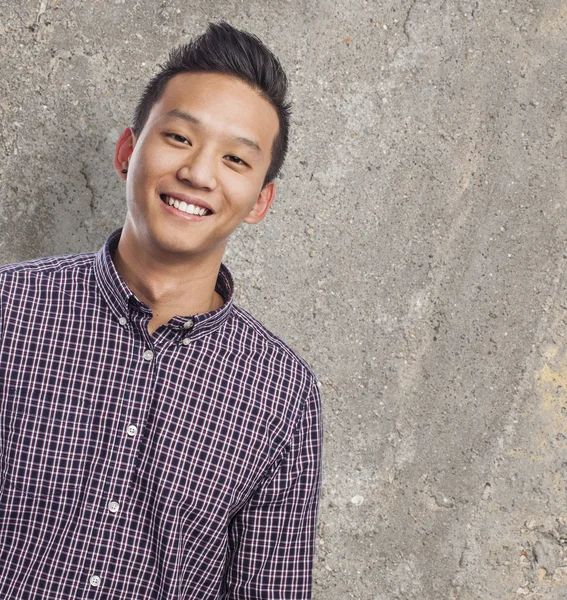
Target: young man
<point x="156" y="442"/>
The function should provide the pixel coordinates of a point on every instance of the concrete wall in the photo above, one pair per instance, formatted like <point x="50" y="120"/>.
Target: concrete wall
<point x="416" y="255"/>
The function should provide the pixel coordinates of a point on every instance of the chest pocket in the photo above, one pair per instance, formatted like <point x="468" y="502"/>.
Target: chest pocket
<point x="44" y="439"/>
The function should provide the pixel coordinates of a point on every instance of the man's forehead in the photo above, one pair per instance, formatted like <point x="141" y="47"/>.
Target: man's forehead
<point x="189" y="97"/>
<point x="203" y="83"/>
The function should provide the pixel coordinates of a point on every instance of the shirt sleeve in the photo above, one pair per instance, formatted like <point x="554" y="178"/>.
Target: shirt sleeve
<point x="1" y="307"/>
<point x="272" y="539"/>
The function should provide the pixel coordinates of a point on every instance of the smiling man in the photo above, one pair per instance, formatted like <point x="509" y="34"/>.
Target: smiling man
<point x="156" y="441"/>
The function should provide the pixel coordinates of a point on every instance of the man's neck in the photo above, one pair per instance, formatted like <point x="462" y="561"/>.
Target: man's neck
<point x="181" y="288"/>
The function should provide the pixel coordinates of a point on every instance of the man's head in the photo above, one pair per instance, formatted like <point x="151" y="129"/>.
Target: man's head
<point x="224" y="50"/>
<point x="209" y="136"/>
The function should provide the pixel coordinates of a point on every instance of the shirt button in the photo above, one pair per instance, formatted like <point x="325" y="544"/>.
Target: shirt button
<point x="186" y="341"/>
<point x="148" y="355"/>
<point x="188" y="324"/>
<point x="123" y="320"/>
<point x="131" y="430"/>
<point x="95" y="580"/>
<point x="113" y="507"/>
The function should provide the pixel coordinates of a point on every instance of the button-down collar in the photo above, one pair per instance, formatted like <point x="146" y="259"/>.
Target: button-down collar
<point x="121" y="299"/>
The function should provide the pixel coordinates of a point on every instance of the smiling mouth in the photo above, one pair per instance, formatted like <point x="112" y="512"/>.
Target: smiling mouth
<point x="191" y="209"/>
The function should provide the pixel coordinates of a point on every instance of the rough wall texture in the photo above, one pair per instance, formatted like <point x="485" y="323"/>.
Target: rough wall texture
<point x="416" y="255"/>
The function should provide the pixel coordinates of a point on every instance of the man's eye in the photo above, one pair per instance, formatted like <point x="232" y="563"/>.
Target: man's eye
<point x="179" y="138"/>
<point x="235" y="159"/>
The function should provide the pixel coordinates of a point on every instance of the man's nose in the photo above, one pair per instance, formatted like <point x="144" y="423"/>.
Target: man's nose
<point x="199" y="170"/>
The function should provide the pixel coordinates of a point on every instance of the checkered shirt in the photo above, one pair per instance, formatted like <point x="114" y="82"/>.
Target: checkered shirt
<point x="181" y="465"/>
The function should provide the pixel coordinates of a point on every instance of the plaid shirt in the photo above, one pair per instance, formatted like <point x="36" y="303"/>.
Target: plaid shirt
<point x="181" y="465"/>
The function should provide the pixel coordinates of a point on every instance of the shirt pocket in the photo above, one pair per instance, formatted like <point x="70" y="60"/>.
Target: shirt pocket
<point x="45" y="442"/>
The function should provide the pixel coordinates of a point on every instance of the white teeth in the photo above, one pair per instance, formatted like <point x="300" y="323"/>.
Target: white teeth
<point x="188" y="208"/>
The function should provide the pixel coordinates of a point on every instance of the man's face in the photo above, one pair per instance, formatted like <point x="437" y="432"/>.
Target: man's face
<point x="205" y="148"/>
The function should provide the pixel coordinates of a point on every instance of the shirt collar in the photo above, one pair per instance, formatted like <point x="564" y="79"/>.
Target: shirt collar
<point x="120" y="298"/>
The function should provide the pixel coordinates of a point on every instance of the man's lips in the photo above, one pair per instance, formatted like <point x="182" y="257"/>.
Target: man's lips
<point x="187" y="204"/>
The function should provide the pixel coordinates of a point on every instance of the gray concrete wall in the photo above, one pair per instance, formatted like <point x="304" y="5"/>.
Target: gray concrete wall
<point x="416" y="255"/>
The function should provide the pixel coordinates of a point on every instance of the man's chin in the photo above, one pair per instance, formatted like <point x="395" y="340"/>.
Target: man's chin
<point x="177" y="251"/>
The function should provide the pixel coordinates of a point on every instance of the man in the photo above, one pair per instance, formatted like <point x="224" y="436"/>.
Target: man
<point x="156" y="442"/>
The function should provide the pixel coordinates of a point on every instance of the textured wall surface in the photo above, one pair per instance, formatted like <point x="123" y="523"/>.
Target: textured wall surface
<point x="415" y="256"/>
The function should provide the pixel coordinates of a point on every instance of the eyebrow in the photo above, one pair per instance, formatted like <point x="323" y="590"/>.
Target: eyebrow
<point x="181" y="114"/>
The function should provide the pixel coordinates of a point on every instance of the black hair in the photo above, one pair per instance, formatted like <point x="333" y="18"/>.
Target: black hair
<point x="226" y="50"/>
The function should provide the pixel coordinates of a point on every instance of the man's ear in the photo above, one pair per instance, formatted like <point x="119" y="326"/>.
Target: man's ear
<point x="124" y="148"/>
<point x="262" y="205"/>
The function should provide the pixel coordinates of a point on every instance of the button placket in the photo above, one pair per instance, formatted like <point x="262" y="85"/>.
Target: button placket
<point x="187" y="326"/>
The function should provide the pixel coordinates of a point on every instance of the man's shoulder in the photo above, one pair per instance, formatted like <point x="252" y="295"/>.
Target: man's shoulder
<point x="271" y="350"/>
<point x="47" y="265"/>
